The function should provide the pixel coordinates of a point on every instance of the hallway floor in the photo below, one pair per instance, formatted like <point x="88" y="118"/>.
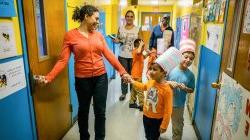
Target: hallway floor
<point x="123" y="123"/>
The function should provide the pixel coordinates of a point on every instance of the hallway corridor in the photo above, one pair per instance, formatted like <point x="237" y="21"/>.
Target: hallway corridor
<point x="123" y="123"/>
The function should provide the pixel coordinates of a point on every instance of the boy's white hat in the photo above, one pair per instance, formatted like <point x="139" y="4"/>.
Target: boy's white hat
<point x="187" y="45"/>
<point x="169" y="59"/>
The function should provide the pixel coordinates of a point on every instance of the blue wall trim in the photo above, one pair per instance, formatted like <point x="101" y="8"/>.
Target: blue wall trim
<point x="26" y="66"/>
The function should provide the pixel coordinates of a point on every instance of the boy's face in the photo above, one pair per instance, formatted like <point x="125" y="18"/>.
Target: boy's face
<point x="187" y="59"/>
<point x="155" y="72"/>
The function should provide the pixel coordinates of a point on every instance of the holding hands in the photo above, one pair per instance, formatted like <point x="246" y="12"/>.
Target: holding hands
<point x="127" y="78"/>
<point x="174" y="84"/>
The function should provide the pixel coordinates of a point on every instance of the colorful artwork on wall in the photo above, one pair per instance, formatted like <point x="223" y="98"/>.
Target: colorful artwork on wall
<point x="233" y="111"/>
<point x="214" y="37"/>
<point x="214" y="11"/>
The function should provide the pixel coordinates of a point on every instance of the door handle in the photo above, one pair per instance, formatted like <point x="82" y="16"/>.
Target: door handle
<point x="32" y="82"/>
<point x="216" y="85"/>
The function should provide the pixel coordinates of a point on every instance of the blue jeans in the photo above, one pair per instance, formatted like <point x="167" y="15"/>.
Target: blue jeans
<point x="86" y="88"/>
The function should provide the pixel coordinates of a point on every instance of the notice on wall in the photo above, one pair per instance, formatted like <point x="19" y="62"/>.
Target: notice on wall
<point x="7" y="40"/>
<point x="246" y="27"/>
<point x="214" y="37"/>
<point x="12" y="77"/>
<point x="185" y="27"/>
<point x="7" y="8"/>
<point x="233" y="111"/>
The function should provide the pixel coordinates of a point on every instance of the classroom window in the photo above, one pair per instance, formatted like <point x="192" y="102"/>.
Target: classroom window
<point x="40" y="30"/>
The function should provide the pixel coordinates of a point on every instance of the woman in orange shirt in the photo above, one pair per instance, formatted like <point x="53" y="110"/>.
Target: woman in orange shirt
<point x="88" y="47"/>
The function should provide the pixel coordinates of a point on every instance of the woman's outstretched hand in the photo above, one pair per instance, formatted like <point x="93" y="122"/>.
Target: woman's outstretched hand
<point x="40" y="79"/>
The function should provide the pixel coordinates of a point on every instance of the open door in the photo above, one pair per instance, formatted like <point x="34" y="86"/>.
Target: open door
<point x="205" y="94"/>
<point x="45" y="28"/>
<point x="148" y="21"/>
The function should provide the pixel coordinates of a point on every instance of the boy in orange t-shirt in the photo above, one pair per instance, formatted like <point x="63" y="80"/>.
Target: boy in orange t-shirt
<point x="157" y="108"/>
<point x="136" y="73"/>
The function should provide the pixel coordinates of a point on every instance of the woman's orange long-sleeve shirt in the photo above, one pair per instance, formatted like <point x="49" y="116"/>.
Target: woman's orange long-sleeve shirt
<point x="158" y="102"/>
<point x="88" y="55"/>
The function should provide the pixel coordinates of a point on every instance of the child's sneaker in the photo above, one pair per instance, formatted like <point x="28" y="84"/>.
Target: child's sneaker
<point x="140" y="108"/>
<point x="134" y="105"/>
<point x="122" y="97"/>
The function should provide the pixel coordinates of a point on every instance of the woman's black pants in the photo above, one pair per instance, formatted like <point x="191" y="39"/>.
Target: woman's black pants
<point x="86" y="88"/>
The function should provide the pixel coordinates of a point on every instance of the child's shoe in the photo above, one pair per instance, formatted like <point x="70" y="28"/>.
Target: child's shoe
<point x="122" y="97"/>
<point x="134" y="105"/>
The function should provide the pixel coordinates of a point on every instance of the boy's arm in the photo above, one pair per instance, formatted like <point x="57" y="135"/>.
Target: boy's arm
<point x="168" y="105"/>
<point x="139" y="85"/>
<point x="185" y="88"/>
<point x="140" y="48"/>
<point x="190" y="86"/>
<point x="173" y="84"/>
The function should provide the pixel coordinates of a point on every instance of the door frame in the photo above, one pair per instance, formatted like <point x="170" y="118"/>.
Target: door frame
<point x="26" y="67"/>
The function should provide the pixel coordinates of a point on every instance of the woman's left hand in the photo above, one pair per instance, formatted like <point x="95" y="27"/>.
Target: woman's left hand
<point x="126" y="78"/>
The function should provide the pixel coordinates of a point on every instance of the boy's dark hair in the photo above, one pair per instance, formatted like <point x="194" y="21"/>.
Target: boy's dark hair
<point x="154" y="63"/>
<point x="79" y="13"/>
<point x="189" y="52"/>
<point x="137" y="42"/>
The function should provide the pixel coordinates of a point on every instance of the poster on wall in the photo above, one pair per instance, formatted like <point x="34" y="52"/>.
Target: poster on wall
<point x="185" y="27"/>
<point x="214" y="37"/>
<point x="7" y="40"/>
<point x="233" y="112"/>
<point x="246" y="27"/>
<point x="7" y="8"/>
<point x="195" y="33"/>
<point x="177" y="35"/>
<point x="12" y="77"/>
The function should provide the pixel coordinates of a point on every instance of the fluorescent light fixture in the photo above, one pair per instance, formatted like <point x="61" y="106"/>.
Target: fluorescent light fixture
<point x="123" y="3"/>
<point x="185" y="3"/>
<point x="155" y="2"/>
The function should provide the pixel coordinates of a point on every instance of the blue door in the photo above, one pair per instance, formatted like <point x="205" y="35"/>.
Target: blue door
<point x="205" y="95"/>
<point x="17" y="119"/>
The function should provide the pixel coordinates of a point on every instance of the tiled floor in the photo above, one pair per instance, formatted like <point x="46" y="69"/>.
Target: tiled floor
<point x="123" y="123"/>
